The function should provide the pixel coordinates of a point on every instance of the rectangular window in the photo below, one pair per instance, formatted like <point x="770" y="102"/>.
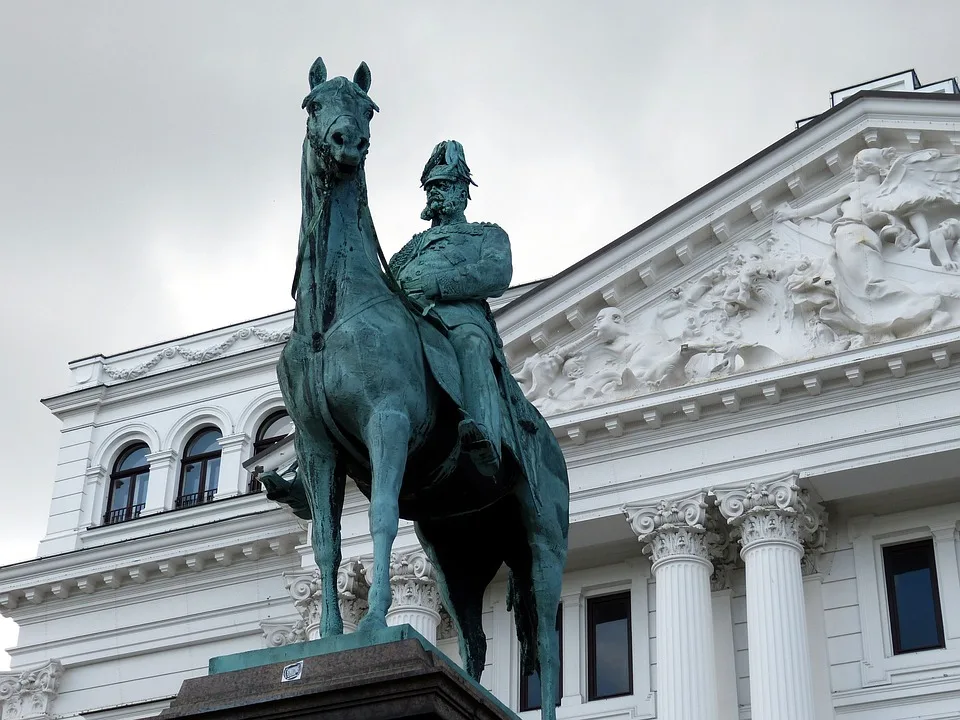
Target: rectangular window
<point x="916" y="622"/>
<point x="609" y="646"/>
<point x="530" y="684"/>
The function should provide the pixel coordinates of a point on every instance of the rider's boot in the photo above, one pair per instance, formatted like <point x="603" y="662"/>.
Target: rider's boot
<point x="480" y="430"/>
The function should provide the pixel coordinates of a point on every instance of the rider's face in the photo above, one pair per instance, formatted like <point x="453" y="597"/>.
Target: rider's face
<point x="445" y="198"/>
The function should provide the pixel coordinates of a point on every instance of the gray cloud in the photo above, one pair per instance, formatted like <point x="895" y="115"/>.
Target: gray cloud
<point x="149" y="152"/>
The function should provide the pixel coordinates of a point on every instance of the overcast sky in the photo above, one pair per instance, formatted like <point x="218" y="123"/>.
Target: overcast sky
<point x="150" y="152"/>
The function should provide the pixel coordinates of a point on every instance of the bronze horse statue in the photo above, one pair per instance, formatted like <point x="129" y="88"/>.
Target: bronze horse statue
<point x="373" y="388"/>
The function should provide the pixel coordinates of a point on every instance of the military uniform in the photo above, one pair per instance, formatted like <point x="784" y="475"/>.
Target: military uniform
<point x="458" y="266"/>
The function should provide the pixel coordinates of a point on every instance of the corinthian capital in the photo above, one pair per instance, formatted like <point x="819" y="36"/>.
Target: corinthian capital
<point x="413" y="582"/>
<point x="777" y="510"/>
<point x="29" y="694"/>
<point x="671" y="528"/>
<point x="352" y="590"/>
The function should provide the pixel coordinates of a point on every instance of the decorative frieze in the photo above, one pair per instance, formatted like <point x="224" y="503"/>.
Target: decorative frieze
<point x="29" y="694"/>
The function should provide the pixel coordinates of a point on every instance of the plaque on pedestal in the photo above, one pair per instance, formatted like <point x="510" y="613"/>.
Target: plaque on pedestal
<point x="395" y="674"/>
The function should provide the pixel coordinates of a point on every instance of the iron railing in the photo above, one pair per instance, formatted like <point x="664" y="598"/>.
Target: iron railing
<point x="112" y="517"/>
<point x="197" y="498"/>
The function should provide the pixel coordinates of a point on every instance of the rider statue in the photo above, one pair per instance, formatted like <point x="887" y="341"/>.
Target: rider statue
<point x="450" y="270"/>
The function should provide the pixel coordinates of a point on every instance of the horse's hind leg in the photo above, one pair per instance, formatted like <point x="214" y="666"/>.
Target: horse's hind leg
<point x="387" y="437"/>
<point x="325" y="483"/>
<point x="465" y="568"/>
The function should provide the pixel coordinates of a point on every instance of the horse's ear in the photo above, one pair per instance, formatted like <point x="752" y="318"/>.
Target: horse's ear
<point x="318" y="73"/>
<point x="362" y="77"/>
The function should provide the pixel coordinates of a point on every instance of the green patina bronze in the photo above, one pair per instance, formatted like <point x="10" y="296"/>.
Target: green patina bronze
<point x="396" y="376"/>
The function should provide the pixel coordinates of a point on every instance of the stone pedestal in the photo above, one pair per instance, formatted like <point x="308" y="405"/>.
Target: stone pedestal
<point x="674" y="533"/>
<point x="774" y="521"/>
<point x="341" y="678"/>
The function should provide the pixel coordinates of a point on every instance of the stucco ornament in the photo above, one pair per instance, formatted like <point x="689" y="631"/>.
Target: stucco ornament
<point x="29" y="694"/>
<point x="395" y="375"/>
<point x="874" y="261"/>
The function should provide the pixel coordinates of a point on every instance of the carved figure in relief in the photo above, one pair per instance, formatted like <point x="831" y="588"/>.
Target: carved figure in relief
<point x="914" y="186"/>
<point x="868" y="303"/>
<point x="747" y="268"/>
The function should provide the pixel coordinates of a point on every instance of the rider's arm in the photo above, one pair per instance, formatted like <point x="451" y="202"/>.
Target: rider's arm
<point x="488" y="277"/>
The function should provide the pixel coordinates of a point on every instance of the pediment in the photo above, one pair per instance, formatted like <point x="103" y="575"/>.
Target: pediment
<point x="728" y="282"/>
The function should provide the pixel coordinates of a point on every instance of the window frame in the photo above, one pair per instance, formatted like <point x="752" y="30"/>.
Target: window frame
<point x="524" y="689"/>
<point x="131" y="510"/>
<point x="203" y="495"/>
<point x="591" y="606"/>
<point x="893" y="614"/>
<point x="868" y="535"/>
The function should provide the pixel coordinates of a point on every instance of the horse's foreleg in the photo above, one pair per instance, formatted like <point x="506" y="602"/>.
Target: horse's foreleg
<point x="387" y="437"/>
<point x="325" y="488"/>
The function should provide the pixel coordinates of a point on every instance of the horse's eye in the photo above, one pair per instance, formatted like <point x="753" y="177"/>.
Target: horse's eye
<point x="313" y="108"/>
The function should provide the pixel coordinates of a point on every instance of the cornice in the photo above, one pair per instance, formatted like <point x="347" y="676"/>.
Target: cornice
<point x="168" y="382"/>
<point x="139" y="560"/>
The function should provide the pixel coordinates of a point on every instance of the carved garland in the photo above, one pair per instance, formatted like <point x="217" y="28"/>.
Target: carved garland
<point x="197" y="356"/>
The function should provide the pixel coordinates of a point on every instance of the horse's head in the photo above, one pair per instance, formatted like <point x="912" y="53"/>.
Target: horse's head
<point x="338" y="121"/>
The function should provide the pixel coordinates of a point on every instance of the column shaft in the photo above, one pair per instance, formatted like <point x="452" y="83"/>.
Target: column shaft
<point x="686" y="676"/>
<point x="674" y="534"/>
<point x="780" y="684"/>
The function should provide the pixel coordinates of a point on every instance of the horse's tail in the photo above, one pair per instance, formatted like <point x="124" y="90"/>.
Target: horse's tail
<point x="525" y="616"/>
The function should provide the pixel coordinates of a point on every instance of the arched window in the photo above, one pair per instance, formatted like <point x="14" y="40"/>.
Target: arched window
<point x="200" y="468"/>
<point x="275" y="428"/>
<point x="272" y="430"/>
<point x="128" y="485"/>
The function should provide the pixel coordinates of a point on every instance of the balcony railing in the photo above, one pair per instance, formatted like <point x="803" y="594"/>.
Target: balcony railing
<point x="112" y="517"/>
<point x="198" y="498"/>
<point x="254" y="486"/>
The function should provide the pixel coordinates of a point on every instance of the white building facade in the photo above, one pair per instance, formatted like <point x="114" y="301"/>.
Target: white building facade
<point x="757" y="396"/>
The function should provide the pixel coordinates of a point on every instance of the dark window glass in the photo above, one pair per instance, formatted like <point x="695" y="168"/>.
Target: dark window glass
<point x="913" y="597"/>
<point x="609" y="649"/>
<point x="128" y="485"/>
<point x="530" y="684"/>
<point x="200" y="469"/>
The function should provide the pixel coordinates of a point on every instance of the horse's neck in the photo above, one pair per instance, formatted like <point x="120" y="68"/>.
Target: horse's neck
<point x="340" y="266"/>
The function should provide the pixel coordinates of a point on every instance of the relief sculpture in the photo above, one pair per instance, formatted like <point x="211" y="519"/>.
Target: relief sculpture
<point x="874" y="261"/>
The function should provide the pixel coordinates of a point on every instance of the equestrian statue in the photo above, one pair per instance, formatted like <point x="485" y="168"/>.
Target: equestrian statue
<point x="394" y="374"/>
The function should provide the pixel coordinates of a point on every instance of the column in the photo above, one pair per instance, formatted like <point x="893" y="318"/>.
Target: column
<point x="674" y="534"/>
<point x="774" y="519"/>
<point x="162" y="481"/>
<point x="416" y="598"/>
<point x="572" y="604"/>
<point x="233" y="478"/>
